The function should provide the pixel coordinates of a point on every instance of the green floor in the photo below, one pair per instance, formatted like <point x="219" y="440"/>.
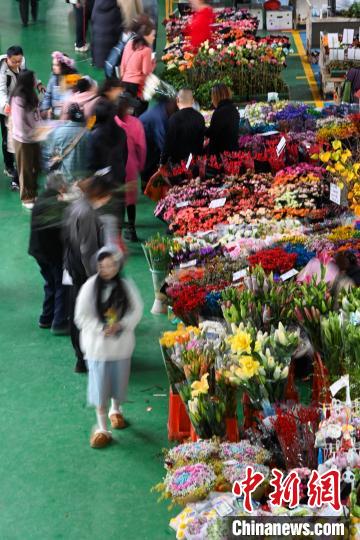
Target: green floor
<point x="52" y="485"/>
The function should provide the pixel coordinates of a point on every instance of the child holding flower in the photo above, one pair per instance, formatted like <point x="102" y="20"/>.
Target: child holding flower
<point x="107" y="312"/>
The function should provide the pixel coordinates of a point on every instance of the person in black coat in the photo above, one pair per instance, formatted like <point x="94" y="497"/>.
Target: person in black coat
<point x="107" y="147"/>
<point x="106" y="21"/>
<point x="223" y="132"/>
<point x="46" y="247"/>
<point x="186" y="131"/>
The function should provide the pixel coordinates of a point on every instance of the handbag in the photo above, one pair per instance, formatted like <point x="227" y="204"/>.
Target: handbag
<point x="56" y="161"/>
<point x="158" y="186"/>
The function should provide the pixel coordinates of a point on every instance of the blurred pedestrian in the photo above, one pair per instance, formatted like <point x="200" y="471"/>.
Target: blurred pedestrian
<point x="199" y="28"/>
<point x="155" y="121"/>
<point x="223" y="132"/>
<point x="136" y="149"/>
<point x="82" y="10"/>
<point x="107" y="148"/>
<point x="47" y="248"/>
<point x="66" y="146"/>
<point x="24" y="10"/>
<point x="85" y="95"/>
<point x="130" y="9"/>
<point x="25" y="117"/>
<point x="138" y="61"/>
<point x="108" y="309"/>
<point x="87" y="228"/>
<point x="106" y="28"/>
<point x="110" y="90"/>
<point x="10" y="66"/>
<point x="56" y="91"/>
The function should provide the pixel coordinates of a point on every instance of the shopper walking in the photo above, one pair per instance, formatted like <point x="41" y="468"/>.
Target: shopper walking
<point x="66" y="146"/>
<point x="155" y="121"/>
<point x="56" y="93"/>
<point x="130" y="9"/>
<point x="25" y="117"/>
<point x="47" y="249"/>
<point x="107" y="148"/>
<point x="87" y="228"/>
<point x="136" y="148"/>
<point x="82" y="11"/>
<point x="108" y="309"/>
<point x="24" y="6"/>
<point x="223" y="132"/>
<point x="107" y="24"/>
<point x="110" y="90"/>
<point x="10" y="66"/>
<point x="199" y="28"/>
<point x="84" y="95"/>
<point x="137" y="61"/>
<point x="186" y="131"/>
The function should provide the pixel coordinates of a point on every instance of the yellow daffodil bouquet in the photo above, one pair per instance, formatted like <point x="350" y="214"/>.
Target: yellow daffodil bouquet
<point x="344" y="170"/>
<point x="260" y="362"/>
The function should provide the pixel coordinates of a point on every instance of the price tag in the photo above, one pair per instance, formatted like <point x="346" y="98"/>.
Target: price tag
<point x="240" y="274"/>
<point x="268" y="133"/>
<point x="217" y="203"/>
<point x="182" y="204"/>
<point x="189" y="161"/>
<point x="188" y="264"/>
<point x="223" y="508"/>
<point x="341" y="54"/>
<point x="351" y="54"/>
<point x="281" y="146"/>
<point x="289" y="274"/>
<point x="357" y="53"/>
<point x="335" y="194"/>
<point x="242" y="113"/>
<point x="273" y="96"/>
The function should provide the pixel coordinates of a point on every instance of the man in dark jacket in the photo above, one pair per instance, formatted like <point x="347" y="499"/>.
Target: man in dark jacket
<point x="47" y="248"/>
<point x="87" y="228"/>
<point x="156" y="122"/>
<point x="186" y="131"/>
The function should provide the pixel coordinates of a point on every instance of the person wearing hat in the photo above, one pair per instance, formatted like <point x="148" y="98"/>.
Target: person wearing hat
<point x="136" y="147"/>
<point x="108" y="309"/>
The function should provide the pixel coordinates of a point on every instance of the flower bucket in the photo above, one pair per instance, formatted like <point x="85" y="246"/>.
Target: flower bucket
<point x="232" y="430"/>
<point x="178" y="420"/>
<point x="159" y="305"/>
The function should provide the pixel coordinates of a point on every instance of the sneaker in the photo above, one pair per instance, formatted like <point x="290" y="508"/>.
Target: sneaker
<point x="44" y="324"/>
<point x="82" y="49"/>
<point x="60" y="330"/>
<point x="130" y="234"/>
<point x="100" y="438"/>
<point x="28" y="205"/>
<point x="14" y="186"/>
<point x="117" y="420"/>
<point x="10" y="173"/>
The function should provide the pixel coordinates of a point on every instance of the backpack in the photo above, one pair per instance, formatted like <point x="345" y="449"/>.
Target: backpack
<point x="113" y="61"/>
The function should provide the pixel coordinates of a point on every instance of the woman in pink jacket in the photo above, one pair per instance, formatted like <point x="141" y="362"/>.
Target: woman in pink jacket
<point x="136" y="144"/>
<point x="137" y="61"/>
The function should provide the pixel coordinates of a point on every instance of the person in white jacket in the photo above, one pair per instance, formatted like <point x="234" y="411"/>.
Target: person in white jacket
<point x="107" y="312"/>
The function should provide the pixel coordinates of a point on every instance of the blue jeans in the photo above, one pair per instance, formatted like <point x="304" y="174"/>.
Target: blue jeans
<point x="55" y="306"/>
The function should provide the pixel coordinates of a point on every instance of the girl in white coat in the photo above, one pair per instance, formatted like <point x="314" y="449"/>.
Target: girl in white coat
<point x="108" y="309"/>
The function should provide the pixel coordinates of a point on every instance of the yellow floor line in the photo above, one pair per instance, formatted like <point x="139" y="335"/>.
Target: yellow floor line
<point x="309" y="74"/>
<point x="301" y="77"/>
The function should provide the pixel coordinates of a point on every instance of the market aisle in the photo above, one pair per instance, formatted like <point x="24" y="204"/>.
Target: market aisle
<point x="52" y="484"/>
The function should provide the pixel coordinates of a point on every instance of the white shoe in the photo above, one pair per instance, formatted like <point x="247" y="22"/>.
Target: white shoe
<point x="82" y="49"/>
<point x="28" y="205"/>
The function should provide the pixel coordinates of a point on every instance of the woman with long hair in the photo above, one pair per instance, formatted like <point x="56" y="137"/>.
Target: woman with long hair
<point x="136" y="145"/>
<point x="108" y="309"/>
<point x="55" y="94"/>
<point x="25" y="117"/>
<point x="223" y="132"/>
<point x="137" y="61"/>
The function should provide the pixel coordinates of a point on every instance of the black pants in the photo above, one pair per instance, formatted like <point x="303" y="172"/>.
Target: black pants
<point x="82" y="18"/>
<point x="55" y="305"/>
<point x="131" y="214"/>
<point x="24" y="10"/>
<point x="9" y="159"/>
<point x="74" y="331"/>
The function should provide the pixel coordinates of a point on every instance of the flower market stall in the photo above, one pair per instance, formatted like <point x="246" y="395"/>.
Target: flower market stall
<point x="268" y="329"/>
<point x="249" y="64"/>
